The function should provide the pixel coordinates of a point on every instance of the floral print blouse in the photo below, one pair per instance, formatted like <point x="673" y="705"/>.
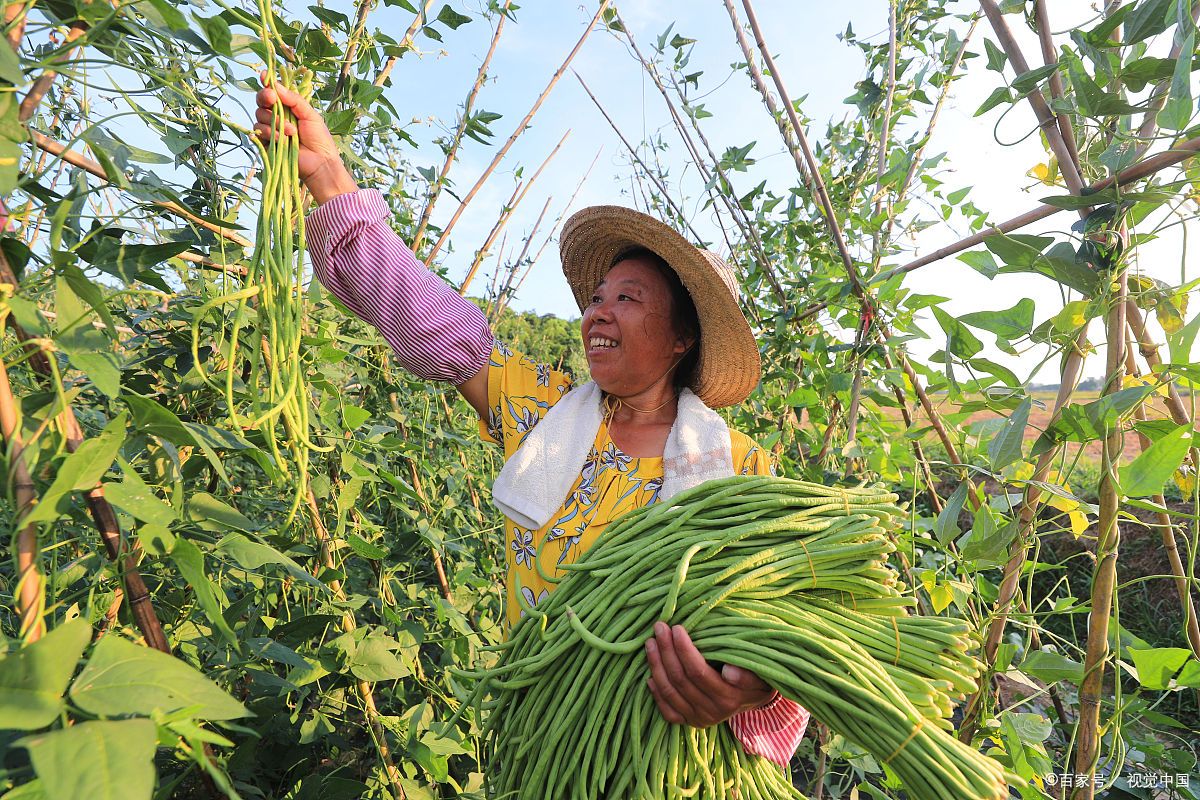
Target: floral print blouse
<point x="520" y="392"/>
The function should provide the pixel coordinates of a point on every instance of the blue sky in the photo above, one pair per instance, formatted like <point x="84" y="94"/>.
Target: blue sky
<point x="813" y="61"/>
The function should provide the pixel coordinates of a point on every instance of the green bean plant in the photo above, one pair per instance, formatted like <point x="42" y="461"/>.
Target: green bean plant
<point x="248" y="554"/>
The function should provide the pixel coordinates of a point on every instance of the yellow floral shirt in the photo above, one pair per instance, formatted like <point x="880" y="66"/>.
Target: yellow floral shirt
<point x="520" y="392"/>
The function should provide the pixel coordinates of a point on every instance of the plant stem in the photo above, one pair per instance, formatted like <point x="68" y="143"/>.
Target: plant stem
<point x="522" y="126"/>
<point x="435" y="188"/>
<point x="1108" y="540"/>
<point x="506" y="214"/>
<point x="30" y="583"/>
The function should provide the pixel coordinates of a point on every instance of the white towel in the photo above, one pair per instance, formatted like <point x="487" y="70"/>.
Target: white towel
<point x="535" y="482"/>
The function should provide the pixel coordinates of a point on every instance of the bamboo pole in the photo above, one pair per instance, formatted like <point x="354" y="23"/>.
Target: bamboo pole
<point x="719" y="191"/>
<point x="1149" y="352"/>
<point x="501" y="289"/>
<point x="663" y="190"/>
<point x="1046" y="119"/>
<point x="30" y="583"/>
<point x="360" y="25"/>
<point x="1026" y="522"/>
<point x="1046" y="40"/>
<point x="435" y="189"/>
<point x="506" y="214"/>
<point x="1143" y="169"/>
<point x="934" y="116"/>
<point x="500" y="220"/>
<point x="405" y="43"/>
<point x="760" y="83"/>
<point x="1107" y="543"/>
<point x="882" y="331"/>
<point x="881" y="155"/>
<point x="522" y="126"/>
<point x="549" y="236"/>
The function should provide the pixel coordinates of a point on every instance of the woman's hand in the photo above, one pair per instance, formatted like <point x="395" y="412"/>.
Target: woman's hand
<point x="690" y="692"/>
<point x="320" y="164"/>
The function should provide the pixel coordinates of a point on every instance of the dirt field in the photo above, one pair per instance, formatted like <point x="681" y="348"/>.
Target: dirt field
<point x="1039" y="420"/>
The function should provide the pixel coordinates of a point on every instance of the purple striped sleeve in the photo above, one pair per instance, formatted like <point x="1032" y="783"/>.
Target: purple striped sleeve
<point x="435" y="333"/>
<point x="773" y="731"/>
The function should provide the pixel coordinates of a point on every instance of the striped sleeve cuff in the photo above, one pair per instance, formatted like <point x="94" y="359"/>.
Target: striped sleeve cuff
<point x="773" y="731"/>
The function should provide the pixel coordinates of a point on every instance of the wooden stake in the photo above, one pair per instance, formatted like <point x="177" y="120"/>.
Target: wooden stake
<point x="522" y="126"/>
<point x="405" y="43"/>
<point x="1104" y="580"/>
<point x="435" y="188"/>
<point x="1150" y="166"/>
<point x="506" y="214"/>
<point x="30" y="584"/>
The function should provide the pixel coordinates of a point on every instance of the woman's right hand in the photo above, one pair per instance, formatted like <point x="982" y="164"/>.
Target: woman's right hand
<point x="320" y="164"/>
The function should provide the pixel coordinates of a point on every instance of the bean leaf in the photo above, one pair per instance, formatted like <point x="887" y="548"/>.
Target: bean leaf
<point x="123" y="678"/>
<point x="34" y="678"/>
<point x="99" y="760"/>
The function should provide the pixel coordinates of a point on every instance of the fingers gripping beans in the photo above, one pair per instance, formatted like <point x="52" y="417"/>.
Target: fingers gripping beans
<point x="784" y="578"/>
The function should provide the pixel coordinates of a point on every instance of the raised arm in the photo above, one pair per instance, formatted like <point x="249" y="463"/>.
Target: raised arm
<point x="435" y="333"/>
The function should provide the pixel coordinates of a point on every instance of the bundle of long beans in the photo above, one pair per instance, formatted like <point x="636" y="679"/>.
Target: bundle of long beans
<point x="784" y="578"/>
<point x="277" y="389"/>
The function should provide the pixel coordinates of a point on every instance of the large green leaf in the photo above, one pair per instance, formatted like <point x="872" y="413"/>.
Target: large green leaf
<point x="946" y="527"/>
<point x="252" y="555"/>
<point x="133" y="262"/>
<point x="1148" y="18"/>
<point x="80" y="470"/>
<point x="87" y="348"/>
<point x="1008" y="324"/>
<point x="1149" y="472"/>
<point x="102" y="760"/>
<point x="960" y="341"/>
<point x="1177" y="112"/>
<point x="1050" y="667"/>
<point x="1023" y="253"/>
<point x="1158" y="665"/>
<point x="137" y="499"/>
<point x="152" y="418"/>
<point x="122" y="678"/>
<point x="217" y="515"/>
<point x="34" y="678"/>
<point x="1005" y="446"/>
<point x="1085" y="423"/>
<point x="190" y="562"/>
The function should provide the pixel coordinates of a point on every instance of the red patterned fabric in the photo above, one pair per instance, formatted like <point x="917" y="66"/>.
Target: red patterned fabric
<point x="773" y="731"/>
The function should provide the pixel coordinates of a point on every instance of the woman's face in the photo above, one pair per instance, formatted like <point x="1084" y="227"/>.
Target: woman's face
<point x="627" y="330"/>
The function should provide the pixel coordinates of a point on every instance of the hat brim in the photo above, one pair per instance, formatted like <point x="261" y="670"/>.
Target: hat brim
<point x="729" y="366"/>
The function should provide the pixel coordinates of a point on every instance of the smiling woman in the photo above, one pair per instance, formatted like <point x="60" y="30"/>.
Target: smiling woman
<point x="666" y="344"/>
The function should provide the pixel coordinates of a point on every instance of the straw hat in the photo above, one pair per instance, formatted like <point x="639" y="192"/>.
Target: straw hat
<point x="728" y="368"/>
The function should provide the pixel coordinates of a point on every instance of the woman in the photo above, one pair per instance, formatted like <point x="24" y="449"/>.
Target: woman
<point x="666" y="342"/>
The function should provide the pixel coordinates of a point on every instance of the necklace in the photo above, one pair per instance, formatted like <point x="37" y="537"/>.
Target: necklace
<point x="615" y="403"/>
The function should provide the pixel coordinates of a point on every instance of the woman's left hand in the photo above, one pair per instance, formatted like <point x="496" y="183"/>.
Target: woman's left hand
<point x="690" y="692"/>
